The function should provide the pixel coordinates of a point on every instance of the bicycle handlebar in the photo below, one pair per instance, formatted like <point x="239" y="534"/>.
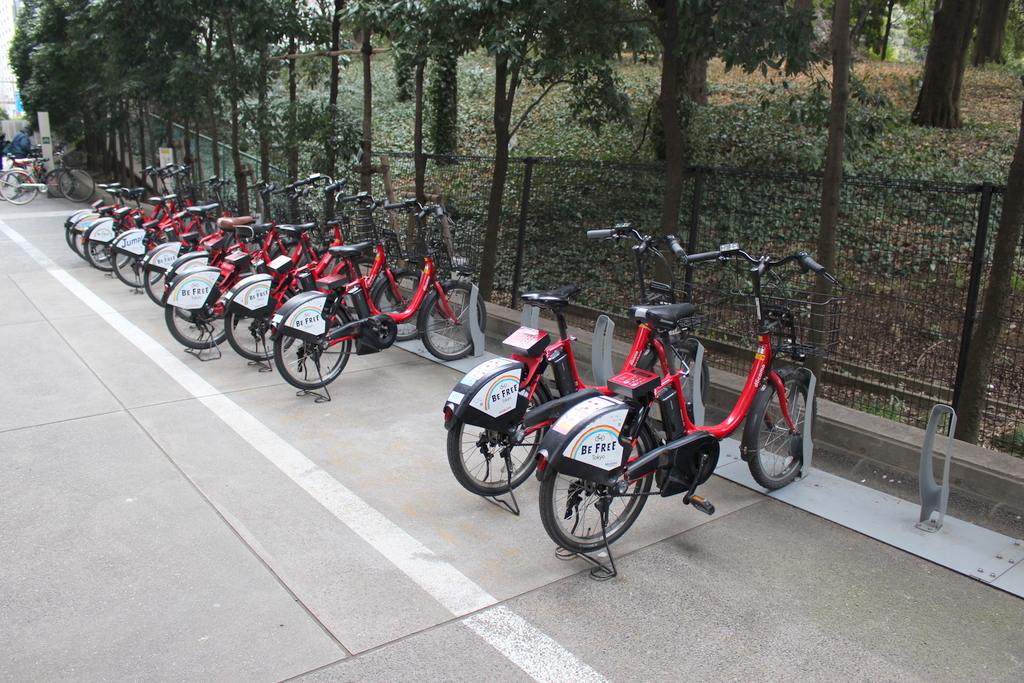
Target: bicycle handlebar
<point x="807" y="263"/>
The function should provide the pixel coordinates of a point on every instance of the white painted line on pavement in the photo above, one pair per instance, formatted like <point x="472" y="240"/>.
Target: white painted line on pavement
<point x="523" y="644"/>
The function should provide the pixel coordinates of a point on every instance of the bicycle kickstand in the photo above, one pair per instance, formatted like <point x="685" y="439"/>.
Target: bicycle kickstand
<point x="510" y="505"/>
<point x="262" y="365"/>
<point x="600" y="571"/>
<point x="319" y="398"/>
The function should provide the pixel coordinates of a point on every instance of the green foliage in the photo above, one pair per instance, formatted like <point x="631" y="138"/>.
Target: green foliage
<point x="443" y="92"/>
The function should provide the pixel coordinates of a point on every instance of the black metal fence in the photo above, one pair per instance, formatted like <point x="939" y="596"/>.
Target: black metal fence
<point x="912" y="258"/>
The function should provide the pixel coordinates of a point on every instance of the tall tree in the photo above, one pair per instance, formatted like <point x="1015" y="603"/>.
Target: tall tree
<point x="1005" y="251"/>
<point x="547" y="43"/>
<point x="938" y="103"/>
<point x="751" y="34"/>
<point x="988" y="42"/>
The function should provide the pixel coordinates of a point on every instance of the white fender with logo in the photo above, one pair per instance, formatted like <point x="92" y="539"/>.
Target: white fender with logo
<point x="192" y="290"/>
<point x="251" y="294"/>
<point x="130" y="242"/>
<point x="101" y="231"/>
<point x="162" y="256"/>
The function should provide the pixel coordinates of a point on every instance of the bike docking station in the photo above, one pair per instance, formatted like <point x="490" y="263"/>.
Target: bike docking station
<point x="965" y="548"/>
<point x="474" y="334"/>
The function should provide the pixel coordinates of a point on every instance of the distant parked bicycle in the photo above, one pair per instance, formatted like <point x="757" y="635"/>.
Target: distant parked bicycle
<point x="21" y="184"/>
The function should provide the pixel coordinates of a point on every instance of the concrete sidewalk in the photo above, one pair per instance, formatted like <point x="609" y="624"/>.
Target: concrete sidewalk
<point x="168" y="519"/>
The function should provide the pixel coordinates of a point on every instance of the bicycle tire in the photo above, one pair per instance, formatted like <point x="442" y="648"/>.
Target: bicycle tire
<point x="387" y="300"/>
<point x="472" y="451"/>
<point x="153" y="283"/>
<point x="12" y="186"/>
<point x="773" y="455"/>
<point x="570" y="516"/>
<point x="98" y="255"/>
<point x="448" y="339"/>
<point x="291" y="358"/>
<point x="196" y="328"/>
<point x="127" y="269"/>
<point x="76" y="185"/>
<point x="247" y="335"/>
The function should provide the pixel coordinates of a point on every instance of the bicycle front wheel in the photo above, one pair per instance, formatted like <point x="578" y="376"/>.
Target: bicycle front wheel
<point x="17" y="186"/>
<point x="447" y="336"/>
<point x="76" y="184"/>
<point x="197" y="328"/>
<point x="476" y="460"/>
<point x="248" y="336"/>
<point x="773" y="453"/>
<point x="571" y="514"/>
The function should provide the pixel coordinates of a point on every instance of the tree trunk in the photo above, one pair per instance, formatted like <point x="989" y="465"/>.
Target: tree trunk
<point x="365" y="180"/>
<point x="832" y="183"/>
<point x="988" y="43"/>
<point x="215" y="137"/>
<point x="292" y="147"/>
<point x="198" y="156"/>
<point x="236" y="155"/>
<point x="997" y="297"/>
<point x="262" y="126"/>
<point x="331" y="149"/>
<point x="419" y="161"/>
<point x="505" y="84"/>
<point x="888" y="29"/>
<point x="444" y="99"/>
<point x="668" y="107"/>
<point x="938" y="104"/>
<point x="186" y="143"/>
<point x="142" y="137"/>
<point x="695" y="70"/>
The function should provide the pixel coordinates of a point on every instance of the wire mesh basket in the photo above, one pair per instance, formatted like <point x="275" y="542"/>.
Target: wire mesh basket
<point x="801" y="321"/>
<point x="435" y="236"/>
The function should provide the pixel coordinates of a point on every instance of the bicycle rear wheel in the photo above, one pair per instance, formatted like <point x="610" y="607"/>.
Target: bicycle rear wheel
<point x="153" y="283"/>
<point x="76" y="184"/>
<point x="17" y="186"/>
<point x="774" y="454"/>
<point x="447" y="337"/>
<point x="197" y="328"/>
<point x="127" y="268"/>
<point x="570" y="508"/>
<point x="248" y="336"/>
<point x="474" y="454"/>
<point x="307" y="366"/>
<point x="98" y="255"/>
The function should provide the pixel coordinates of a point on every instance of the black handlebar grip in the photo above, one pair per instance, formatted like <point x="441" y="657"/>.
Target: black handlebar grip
<point x="599" y="234"/>
<point x="703" y="256"/>
<point x="673" y="244"/>
<point x="808" y="263"/>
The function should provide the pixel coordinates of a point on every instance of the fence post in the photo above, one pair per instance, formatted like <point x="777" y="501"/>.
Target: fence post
<point x="973" y="290"/>
<point x="694" y="231"/>
<point x="524" y="209"/>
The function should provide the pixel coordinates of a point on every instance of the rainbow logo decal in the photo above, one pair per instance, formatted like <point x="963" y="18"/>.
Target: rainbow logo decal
<point x="598" y="444"/>
<point x="255" y="296"/>
<point x="193" y="291"/>
<point x="500" y="395"/>
<point x="308" y="319"/>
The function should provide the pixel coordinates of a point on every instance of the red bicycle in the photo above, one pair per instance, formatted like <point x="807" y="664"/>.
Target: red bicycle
<point x="316" y="332"/>
<point x="600" y="459"/>
<point x="499" y="411"/>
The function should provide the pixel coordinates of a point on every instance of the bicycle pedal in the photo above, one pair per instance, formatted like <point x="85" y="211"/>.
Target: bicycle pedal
<point x="702" y="504"/>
